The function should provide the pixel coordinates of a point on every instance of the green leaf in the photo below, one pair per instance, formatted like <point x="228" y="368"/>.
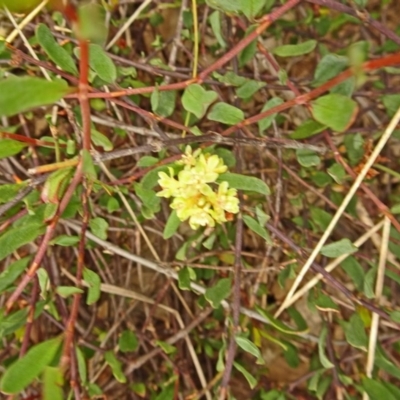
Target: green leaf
<point x="16" y="237"/>
<point x="325" y="303"/>
<point x="377" y="390"/>
<point x="81" y="364"/>
<point x="307" y="158"/>
<point x="320" y="217"/>
<point x="230" y="78"/>
<point x="321" y="348"/>
<point x="102" y="64"/>
<point x="266" y="122"/>
<point x="10" y="147"/>
<point x="249" y="52"/>
<point x="166" y="347"/>
<point x="163" y="102"/>
<point x="247" y="346"/>
<point x="355" y="332"/>
<point x="391" y="103"/>
<point x="167" y="393"/>
<point x="185" y="275"/>
<point x="262" y="217"/>
<point x="148" y="197"/>
<point x="277" y="324"/>
<point x="220" y="291"/>
<point x="383" y="362"/>
<point x="335" y="111"/>
<point x="43" y="278"/>
<point x="395" y="316"/>
<point x="329" y="66"/>
<point x="251" y="8"/>
<point x="369" y="283"/>
<point x="55" y="186"/>
<point x="291" y="355"/>
<point x="66" y="291"/>
<point x="227" y="156"/>
<point x="52" y="384"/>
<point x="337" y="172"/>
<point x="215" y="22"/>
<point x="56" y="53"/>
<point x="298" y="319"/>
<point x="196" y="99"/>
<point x="115" y="366"/>
<point x="255" y="226"/>
<point x="147" y="161"/>
<point x="12" y="272"/>
<point x="99" y="227"/>
<point x="23" y="371"/>
<point x="12" y="322"/>
<point x="19" y="94"/>
<point x="294" y="50"/>
<point x="307" y="129"/>
<point x="172" y="225"/>
<point x="101" y="140"/>
<point x="65" y="240"/>
<point x="247" y="90"/>
<point x="128" y="341"/>
<point x="243" y="182"/>
<point x="249" y="378"/>
<point x="94" y="282"/>
<point x="355" y="271"/>
<point x="336" y="249"/>
<point x="9" y="191"/>
<point x="227" y="6"/>
<point x="225" y="113"/>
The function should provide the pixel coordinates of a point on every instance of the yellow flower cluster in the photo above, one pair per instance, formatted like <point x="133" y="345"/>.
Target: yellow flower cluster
<point x="193" y="197"/>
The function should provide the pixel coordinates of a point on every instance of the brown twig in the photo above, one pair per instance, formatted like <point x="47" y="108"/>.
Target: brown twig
<point x="50" y="230"/>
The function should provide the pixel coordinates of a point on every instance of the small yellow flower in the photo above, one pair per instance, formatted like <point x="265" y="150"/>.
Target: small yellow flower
<point x="189" y="158"/>
<point x="171" y="187"/>
<point x="227" y="198"/>
<point x="212" y="164"/>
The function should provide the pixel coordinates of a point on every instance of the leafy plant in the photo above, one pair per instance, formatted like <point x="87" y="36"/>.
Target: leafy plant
<point x="237" y="153"/>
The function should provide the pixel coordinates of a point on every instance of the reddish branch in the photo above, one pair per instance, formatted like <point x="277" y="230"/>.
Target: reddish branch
<point x="46" y="239"/>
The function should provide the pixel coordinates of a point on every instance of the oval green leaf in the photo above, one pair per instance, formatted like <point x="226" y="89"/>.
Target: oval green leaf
<point x="94" y="282"/>
<point x="56" y="53"/>
<point x="293" y="50"/>
<point x="335" y="111"/>
<point x="243" y="182"/>
<point x="196" y="99"/>
<point x="336" y="249"/>
<point x="172" y="225"/>
<point x="19" y="94"/>
<point x="10" y="147"/>
<point x="102" y="64"/>
<point x="248" y="346"/>
<point x="255" y="226"/>
<point x="225" y="113"/>
<point x="214" y="295"/>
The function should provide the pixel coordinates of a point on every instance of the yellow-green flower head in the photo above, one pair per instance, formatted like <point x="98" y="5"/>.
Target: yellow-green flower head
<point x="193" y="197"/>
